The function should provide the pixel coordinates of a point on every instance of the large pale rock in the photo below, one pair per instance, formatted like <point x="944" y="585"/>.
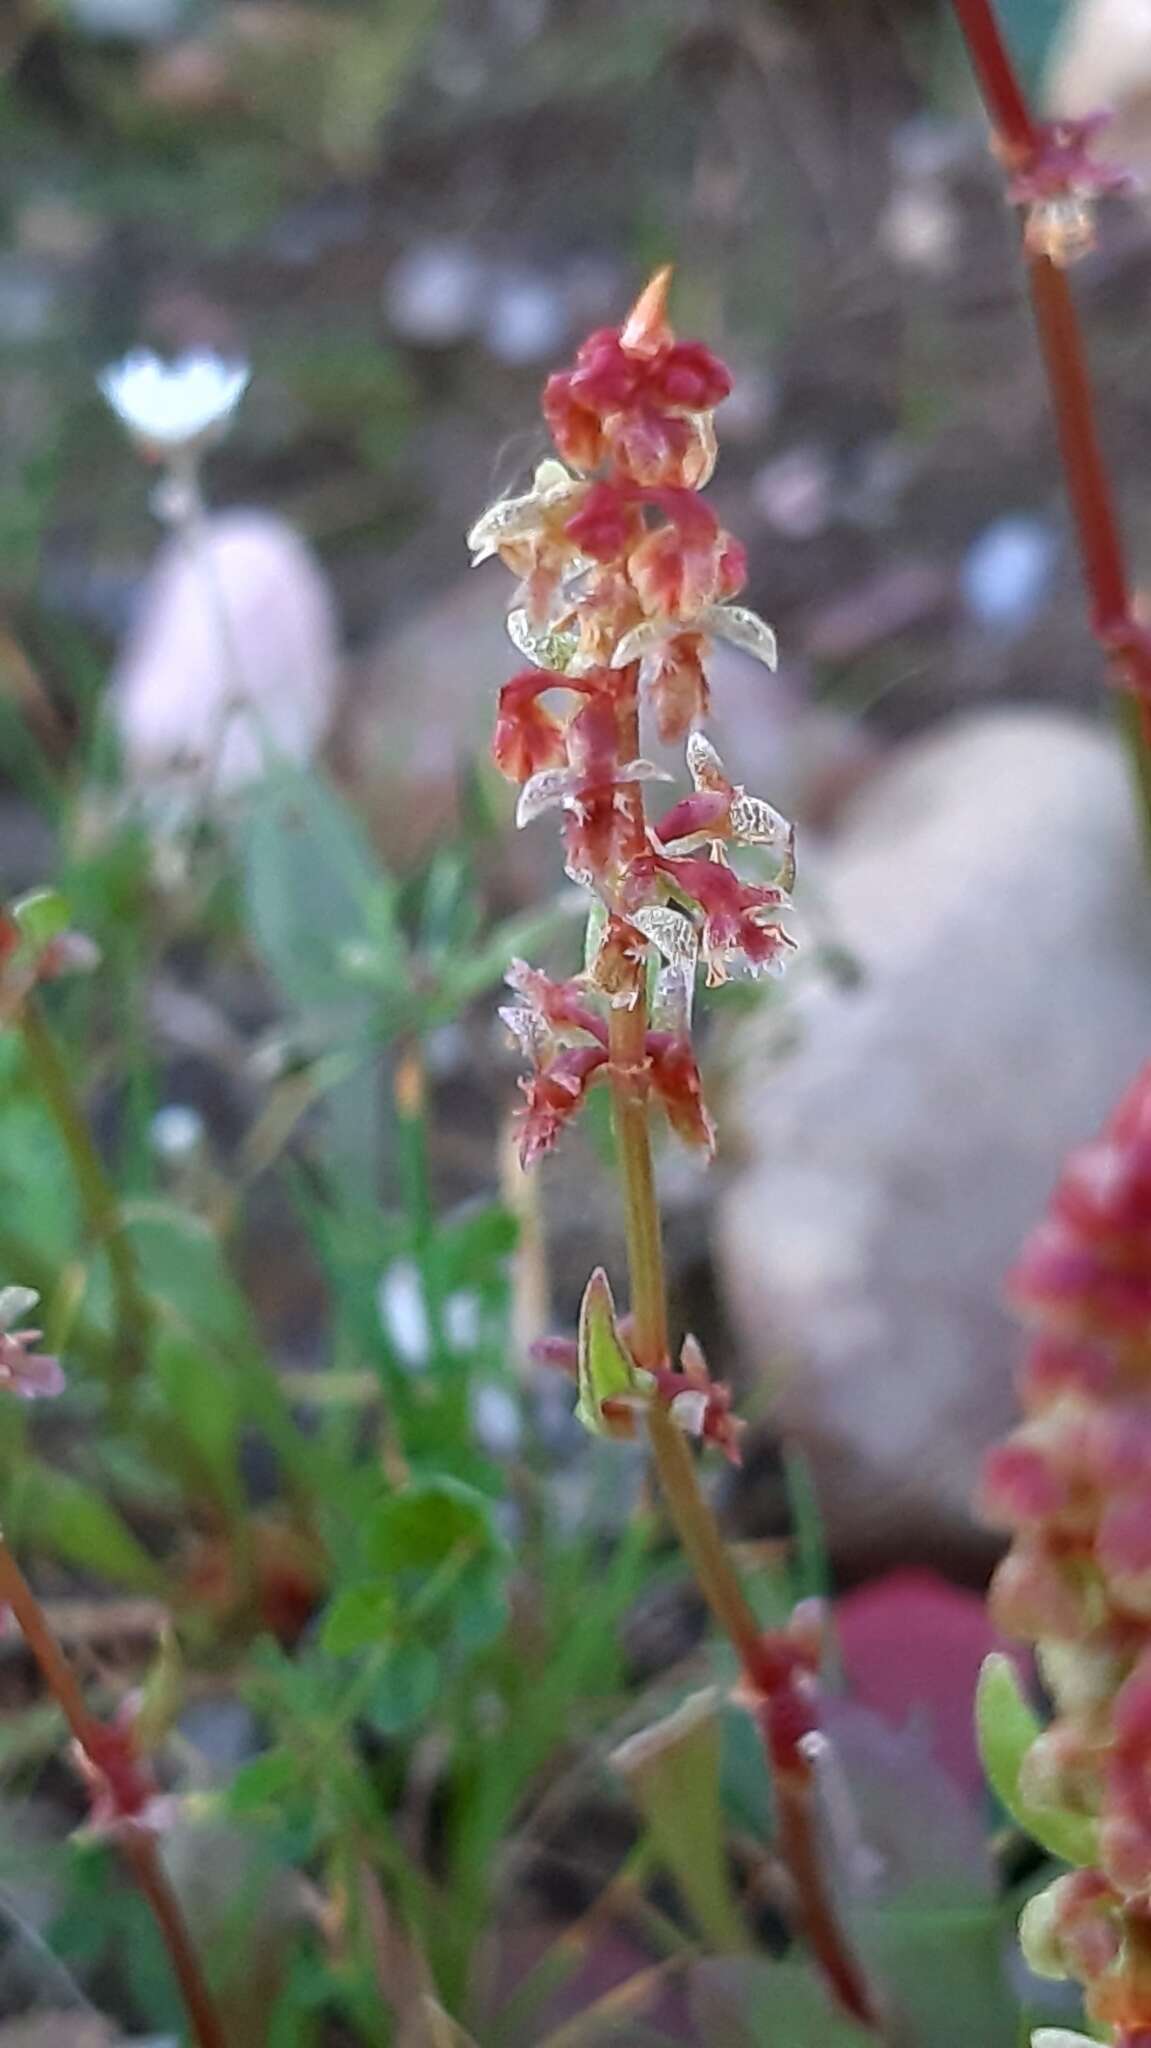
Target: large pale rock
<point x="990" y="884"/>
<point x="232" y="661"/>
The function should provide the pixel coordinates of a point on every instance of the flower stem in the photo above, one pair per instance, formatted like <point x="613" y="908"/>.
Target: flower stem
<point x="98" y="1197"/>
<point x="136" y="1844"/>
<point x="1122" y="638"/>
<point x="699" y="1532"/>
<point x="999" y="83"/>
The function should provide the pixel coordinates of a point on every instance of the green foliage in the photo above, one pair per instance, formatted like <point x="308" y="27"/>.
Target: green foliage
<point x="1007" y="1728"/>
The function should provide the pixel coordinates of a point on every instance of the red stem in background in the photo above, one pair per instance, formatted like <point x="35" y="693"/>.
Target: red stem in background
<point x="1124" y="641"/>
<point x="136" y="1844"/>
<point x="998" y="82"/>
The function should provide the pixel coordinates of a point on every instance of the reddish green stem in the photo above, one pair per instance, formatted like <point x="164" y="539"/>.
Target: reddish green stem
<point x="1123" y="639"/>
<point x="694" y="1520"/>
<point x="998" y="80"/>
<point x="136" y="1844"/>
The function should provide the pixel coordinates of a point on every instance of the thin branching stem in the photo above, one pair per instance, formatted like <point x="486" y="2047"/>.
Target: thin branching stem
<point x="1124" y="641"/>
<point x="136" y="1844"/>
<point x="690" y="1510"/>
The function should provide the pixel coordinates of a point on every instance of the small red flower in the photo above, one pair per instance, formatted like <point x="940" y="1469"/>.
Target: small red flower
<point x="528" y="737"/>
<point x="676" y="1085"/>
<point x="608" y="523"/>
<point x="741" y="932"/>
<point x="122" y="1790"/>
<point x="554" y="1093"/>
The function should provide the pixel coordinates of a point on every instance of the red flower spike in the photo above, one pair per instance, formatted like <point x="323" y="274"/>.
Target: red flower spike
<point x="1075" y="1483"/>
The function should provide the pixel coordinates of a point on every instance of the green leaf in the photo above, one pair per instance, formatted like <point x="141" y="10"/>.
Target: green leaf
<point x="479" y="1604"/>
<point x="54" y="1512"/>
<point x="41" y="916"/>
<point x="1007" y="1728"/>
<point x="266" y="1781"/>
<point x="607" y="1371"/>
<point x="943" y="1970"/>
<point x="468" y="1248"/>
<point x="432" y="1518"/>
<point x="321" y="909"/>
<point x="184" y="1269"/>
<point x="204" y="1398"/>
<point x="742" y="2002"/>
<point x="406" y="1690"/>
<point x="357" y="1619"/>
<point x="673" y="1771"/>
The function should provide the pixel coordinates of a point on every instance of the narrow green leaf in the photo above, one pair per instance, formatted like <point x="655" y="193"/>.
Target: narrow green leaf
<point x="55" y="1512"/>
<point x="185" y="1269"/>
<point x="203" y="1397"/>
<point x="673" y="1771"/>
<point x="1007" y="1727"/>
<point x="606" y="1370"/>
<point x="744" y="2002"/>
<point x="320" y="907"/>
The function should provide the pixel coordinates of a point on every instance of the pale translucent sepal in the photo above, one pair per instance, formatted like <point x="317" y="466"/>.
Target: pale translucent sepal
<point x="544" y="646"/>
<point x="741" y="628"/>
<point x="527" y="1028"/>
<point x="754" y="822"/>
<point x="670" y="931"/>
<point x="542" y="792"/>
<point x="672" y="1000"/>
<point x="640" y="641"/>
<point x="689" y="1411"/>
<point x="516" y="518"/>
<point x="704" y="763"/>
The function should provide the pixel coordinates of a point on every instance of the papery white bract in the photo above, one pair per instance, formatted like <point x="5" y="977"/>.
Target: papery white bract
<point x="169" y="406"/>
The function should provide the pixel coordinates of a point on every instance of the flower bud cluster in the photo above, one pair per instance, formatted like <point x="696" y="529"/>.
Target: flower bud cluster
<point x="625" y="578"/>
<point x="1073" y="1484"/>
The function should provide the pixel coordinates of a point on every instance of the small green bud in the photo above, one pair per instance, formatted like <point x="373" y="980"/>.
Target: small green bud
<point x="606" y="1371"/>
<point x="1039" y="1935"/>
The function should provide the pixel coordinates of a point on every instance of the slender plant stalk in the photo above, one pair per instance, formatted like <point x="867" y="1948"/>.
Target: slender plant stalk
<point x="98" y="1197"/>
<point x="688" y="1506"/>
<point x="137" y="1845"/>
<point x="1124" y="641"/>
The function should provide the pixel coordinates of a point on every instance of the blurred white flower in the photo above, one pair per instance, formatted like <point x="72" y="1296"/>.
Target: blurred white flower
<point x="462" y="1320"/>
<point x="404" y="1314"/>
<point x="171" y="405"/>
<point x="176" y="1132"/>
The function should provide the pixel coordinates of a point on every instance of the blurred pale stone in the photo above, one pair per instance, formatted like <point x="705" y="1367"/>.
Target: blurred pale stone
<point x="232" y="660"/>
<point x="1102" y="59"/>
<point x="990" y="885"/>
